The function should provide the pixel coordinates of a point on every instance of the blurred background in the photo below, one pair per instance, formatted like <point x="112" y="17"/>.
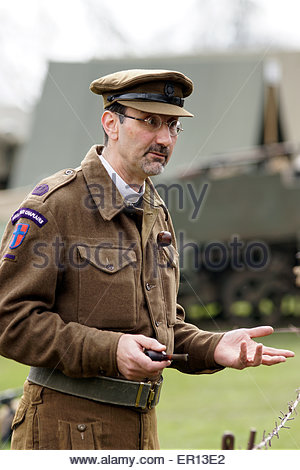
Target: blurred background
<point x="240" y="151"/>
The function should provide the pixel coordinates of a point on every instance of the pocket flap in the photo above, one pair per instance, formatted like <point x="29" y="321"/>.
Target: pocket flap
<point x="109" y="259"/>
<point x="80" y="436"/>
<point x="172" y="255"/>
<point x="20" y="413"/>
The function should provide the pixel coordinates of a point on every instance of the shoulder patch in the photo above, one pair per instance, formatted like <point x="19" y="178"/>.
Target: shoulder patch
<point x="31" y="214"/>
<point x="40" y="190"/>
<point x="46" y="187"/>
<point x="9" y="256"/>
<point x="19" y="235"/>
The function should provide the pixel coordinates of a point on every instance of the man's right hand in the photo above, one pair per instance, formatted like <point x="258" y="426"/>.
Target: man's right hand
<point x="133" y="364"/>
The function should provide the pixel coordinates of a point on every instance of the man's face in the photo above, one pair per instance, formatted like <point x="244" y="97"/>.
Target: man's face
<point x="141" y="151"/>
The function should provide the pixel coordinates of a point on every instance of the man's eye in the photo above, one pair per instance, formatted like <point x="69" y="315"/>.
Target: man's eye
<point x="154" y="122"/>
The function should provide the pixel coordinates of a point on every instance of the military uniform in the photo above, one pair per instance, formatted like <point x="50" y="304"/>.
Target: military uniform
<point x="79" y="268"/>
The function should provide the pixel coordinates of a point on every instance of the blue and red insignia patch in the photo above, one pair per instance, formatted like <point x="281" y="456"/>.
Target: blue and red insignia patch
<point x="19" y="235"/>
<point x="40" y="190"/>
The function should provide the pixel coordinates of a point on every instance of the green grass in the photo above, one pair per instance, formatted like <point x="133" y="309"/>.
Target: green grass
<point x="195" y="411"/>
<point x="12" y="374"/>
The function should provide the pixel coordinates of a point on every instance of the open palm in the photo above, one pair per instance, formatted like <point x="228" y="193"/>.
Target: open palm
<point x="237" y="349"/>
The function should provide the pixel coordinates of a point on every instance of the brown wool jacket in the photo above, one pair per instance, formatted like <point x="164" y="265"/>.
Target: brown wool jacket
<point x="78" y="270"/>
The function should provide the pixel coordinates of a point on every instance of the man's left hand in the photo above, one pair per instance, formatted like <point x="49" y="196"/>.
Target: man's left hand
<point x="237" y="349"/>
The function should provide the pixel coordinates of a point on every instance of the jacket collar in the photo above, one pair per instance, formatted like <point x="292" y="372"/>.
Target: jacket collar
<point x="104" y="192"/>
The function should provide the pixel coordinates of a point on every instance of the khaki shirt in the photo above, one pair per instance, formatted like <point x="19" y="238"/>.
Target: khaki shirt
<point x="78" y="270"/>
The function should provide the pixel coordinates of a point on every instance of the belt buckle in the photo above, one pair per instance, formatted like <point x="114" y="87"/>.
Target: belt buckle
<point x="154" y="393"/>
<point x="151" y="397"/>
<point x="139" y="394"/>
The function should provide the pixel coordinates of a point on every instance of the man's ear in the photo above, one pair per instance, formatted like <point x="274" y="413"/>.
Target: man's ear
<point x="110" y="123"/>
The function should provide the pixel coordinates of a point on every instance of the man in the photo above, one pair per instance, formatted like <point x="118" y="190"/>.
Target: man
<point x="89" y="278"/>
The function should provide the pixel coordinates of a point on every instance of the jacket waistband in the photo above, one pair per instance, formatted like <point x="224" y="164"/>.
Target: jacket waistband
<point x="140" y="395"/>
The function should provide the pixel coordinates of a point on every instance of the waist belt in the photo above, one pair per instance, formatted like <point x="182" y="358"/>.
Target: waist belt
<point x="140" y="395"/>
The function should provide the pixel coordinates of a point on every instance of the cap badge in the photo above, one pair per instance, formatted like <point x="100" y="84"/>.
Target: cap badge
<point x="169" y="90"/>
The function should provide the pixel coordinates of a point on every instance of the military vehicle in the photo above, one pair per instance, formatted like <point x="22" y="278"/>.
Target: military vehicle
<point x="237" y="223"/>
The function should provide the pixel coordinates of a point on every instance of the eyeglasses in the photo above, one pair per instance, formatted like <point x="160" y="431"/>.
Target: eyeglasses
<point x="154" y="123"/>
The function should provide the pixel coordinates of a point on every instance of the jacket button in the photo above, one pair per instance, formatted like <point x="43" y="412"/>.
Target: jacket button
<point x="157" y="323"/>
<point x="148" y="286"/>
<point x="110" y="267"/>
<point x="81" y="427"/>
<point x="69" y="172"/>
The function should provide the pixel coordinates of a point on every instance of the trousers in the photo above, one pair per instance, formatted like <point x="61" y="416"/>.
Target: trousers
<point x="50" y="420"/>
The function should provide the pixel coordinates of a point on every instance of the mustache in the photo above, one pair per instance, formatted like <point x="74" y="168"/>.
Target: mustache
<point x="162" y="149"/>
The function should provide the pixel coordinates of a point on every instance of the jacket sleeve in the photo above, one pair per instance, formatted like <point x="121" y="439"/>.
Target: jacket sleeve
<point x="31" y="331"/>
<point x="198" y="344"/>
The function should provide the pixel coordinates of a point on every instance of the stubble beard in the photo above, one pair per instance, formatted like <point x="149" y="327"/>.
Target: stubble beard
<point x="152" y="166"/>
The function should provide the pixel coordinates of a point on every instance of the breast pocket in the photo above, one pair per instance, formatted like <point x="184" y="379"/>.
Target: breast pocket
<point x="107" y="287"/>
<point x="168" y="268"/>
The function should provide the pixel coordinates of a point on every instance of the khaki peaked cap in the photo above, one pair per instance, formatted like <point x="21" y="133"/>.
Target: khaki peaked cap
<point x="151" y="91"/>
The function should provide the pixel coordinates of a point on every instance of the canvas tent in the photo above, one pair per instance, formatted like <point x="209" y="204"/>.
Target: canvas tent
<point x="289" y="94"/>
<point x="14" y="129"/>
<point x="227" y="104"/>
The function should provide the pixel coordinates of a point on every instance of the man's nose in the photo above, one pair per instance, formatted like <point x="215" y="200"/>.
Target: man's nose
<point x="163" y="135"/>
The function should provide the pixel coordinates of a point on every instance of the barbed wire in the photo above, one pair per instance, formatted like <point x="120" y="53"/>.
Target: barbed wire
<point x="289" y="329"/>
<point x="284" y="418"/>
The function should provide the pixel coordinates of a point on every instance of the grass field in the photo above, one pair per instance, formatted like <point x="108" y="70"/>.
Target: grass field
<point x="195" y="411"/>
